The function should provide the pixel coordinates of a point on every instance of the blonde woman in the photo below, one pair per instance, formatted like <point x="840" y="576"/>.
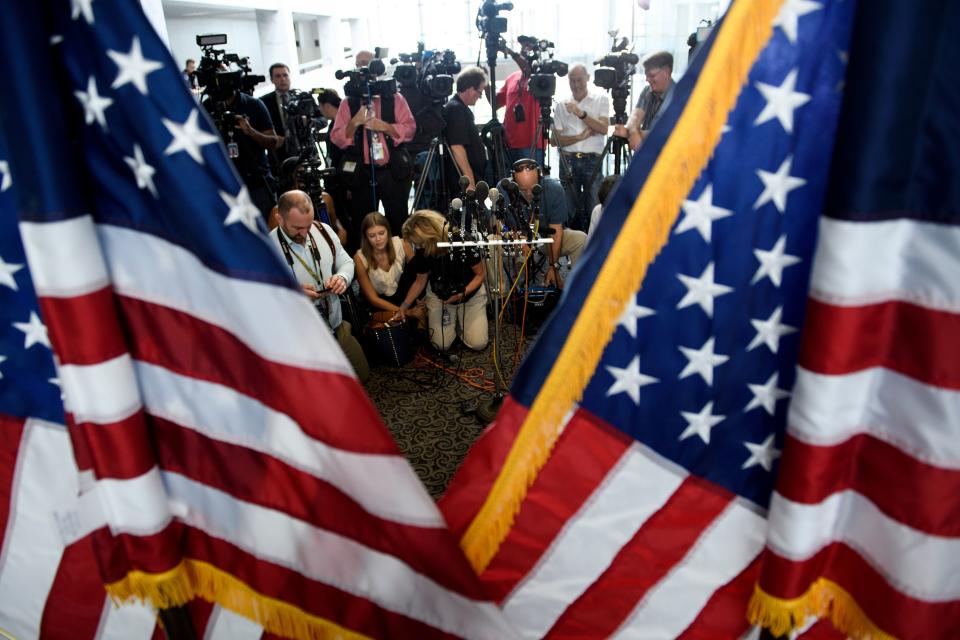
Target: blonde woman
<point x="456" y="297"/>
<point x="387" y="278"/>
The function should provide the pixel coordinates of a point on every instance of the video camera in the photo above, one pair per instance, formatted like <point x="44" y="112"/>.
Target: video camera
<point x="613" y="73"/>
<point x="363" y="83"/>
<point x="539" y="54"/>
<point x="429" y="71"/>
<point x="214" y="74"/>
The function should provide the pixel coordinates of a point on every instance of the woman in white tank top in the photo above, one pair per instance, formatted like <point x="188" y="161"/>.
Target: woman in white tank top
<point x="380" y="266"/>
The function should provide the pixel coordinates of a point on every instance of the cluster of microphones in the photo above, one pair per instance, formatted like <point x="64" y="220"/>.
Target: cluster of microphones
<point x="508" y="210"/>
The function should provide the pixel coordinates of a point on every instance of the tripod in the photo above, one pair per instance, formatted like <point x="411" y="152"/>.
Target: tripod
<point x="615" y="144"/>
<point x="435" y="187"/>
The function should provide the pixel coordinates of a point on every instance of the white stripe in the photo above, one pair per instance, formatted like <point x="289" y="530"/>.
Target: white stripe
<point x="223" y="414"/>
<point x="590" y="540"/>
<point x="132" y="621"/>
<point x="138" y="506"/>
<point x="919" y="419"/>
<point x="859" y="263"/>
<point x="100" y="393"/>
<point x="320" y="555"/>
<point x="277" y="323"/>
<point x="227" y="625"/>
<point x="724" y="550"/>
<point x="45" y="480"/>
<point x="920" y="565"/>
<point x="64" y="256"/>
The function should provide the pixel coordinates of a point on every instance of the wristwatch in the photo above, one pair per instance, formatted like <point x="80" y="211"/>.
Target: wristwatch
<point x="555" y="265"/>
<point x="584" y="115"/>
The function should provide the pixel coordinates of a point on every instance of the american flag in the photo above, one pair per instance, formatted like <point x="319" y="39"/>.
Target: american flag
<point x="864" y="525"/>
<point x="647" y="520"/>
<point x="223" y="447"/>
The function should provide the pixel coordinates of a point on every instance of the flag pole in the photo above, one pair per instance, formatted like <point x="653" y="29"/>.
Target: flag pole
<point x="176" y="624"/>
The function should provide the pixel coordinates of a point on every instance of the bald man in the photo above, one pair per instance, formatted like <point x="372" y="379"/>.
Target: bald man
<point x="581" y="128"/>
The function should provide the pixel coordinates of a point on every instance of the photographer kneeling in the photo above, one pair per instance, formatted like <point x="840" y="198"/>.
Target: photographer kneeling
<point x="321" y="266"/>
<point x="456" y="297"/>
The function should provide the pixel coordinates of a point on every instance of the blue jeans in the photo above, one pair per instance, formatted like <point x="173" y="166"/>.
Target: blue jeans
<point x="581" y="191"/>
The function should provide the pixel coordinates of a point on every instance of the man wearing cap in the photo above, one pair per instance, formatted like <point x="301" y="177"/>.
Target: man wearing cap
<point x="581" y="129"/>
<point x="553" y="215"/>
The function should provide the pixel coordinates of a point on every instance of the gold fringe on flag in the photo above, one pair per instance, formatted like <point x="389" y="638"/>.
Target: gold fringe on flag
<point x="745" y="31"/>
<point x="824" y="599"/>
<point x="196" y="579"/>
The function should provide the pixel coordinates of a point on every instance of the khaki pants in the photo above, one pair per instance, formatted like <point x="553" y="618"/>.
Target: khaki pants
<point x="468" y="320"/>
<point x="353" y="351"/>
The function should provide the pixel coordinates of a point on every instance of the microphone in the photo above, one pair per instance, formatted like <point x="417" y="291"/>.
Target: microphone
<point x="463" y="184"/>
<point x="456" y="204"/>
<point x="536" y="191"/>
<point x="481" y="191"/>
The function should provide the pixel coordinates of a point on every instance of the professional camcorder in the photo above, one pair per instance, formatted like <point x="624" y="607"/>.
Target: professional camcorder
<point x="214" y="74"/>
<point x="429" y="71"/>
<point x="363" y="82"/>
<point x="539" y="54"/>
<point x="613" y="74"/>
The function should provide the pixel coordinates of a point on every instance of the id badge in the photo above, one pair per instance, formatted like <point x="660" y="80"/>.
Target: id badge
<point x="376" y="150"/>
<point x="233" y="150"/>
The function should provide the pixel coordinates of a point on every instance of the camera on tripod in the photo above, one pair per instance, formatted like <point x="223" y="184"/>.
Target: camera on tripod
<point x="428" y="71"/>
<point x="363" y="82"/>
<point x="545" y="69"/>
<point x="489" y="22"/>
<point x="613" y="74"/>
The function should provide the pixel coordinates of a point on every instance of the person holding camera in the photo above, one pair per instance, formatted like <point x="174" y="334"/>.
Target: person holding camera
<point x="456" y="298"/>
<point x="553" y="216"/>
<point x="370" y="133"/>
<point x="653" y="100"/>
<point x="581" y="125"/>
<point x="321" y="266"/>
<point x="521" y="108"/>
<point x="248" y="139"/>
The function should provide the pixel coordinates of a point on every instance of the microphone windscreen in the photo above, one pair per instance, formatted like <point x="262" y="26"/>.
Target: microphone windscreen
<point x="464" y="181"/>
<point x="494" y="195"/>
<point x="456" y="204"/>
<point x="536" y="190"/>
<point x="482" y="190"/>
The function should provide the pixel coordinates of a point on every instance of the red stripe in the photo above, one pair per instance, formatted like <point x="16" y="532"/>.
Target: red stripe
<point x="317" y="599"/>
<point x="76" y="599"/>
<point x="100" y="337"/>
<point x="723" y="616"/>
<point x="241" y="472"/>
<point x="894" y="612"/>
<point x="655" y="549"/>
<point x="11" y="435"/>
<point x="581" y="459"/>
<point x="121" y="554"/>
<point x="916" y="341"/>
<point x="469" y="487"/>
<point x="120" y="450"/>
<point x="923" y="496"/>
<point x="322" y="403"/>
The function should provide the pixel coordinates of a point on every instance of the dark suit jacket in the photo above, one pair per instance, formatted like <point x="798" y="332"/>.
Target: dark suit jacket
<point x="270" y="101"/>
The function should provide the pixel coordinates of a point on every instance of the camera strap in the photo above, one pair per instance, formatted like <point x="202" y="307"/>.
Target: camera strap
<point x="387" y="114"/>
<point x="315" y="272"/>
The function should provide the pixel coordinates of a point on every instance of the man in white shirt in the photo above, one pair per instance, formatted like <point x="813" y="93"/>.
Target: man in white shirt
<point x="581" y="125"/>
<point x="321" y="266"/>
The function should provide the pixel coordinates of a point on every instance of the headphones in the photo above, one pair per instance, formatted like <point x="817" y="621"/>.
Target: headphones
<point x="527" y="163"/>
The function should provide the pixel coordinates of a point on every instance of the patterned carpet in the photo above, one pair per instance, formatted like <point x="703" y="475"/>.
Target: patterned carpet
<point x="428" y="405"/>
